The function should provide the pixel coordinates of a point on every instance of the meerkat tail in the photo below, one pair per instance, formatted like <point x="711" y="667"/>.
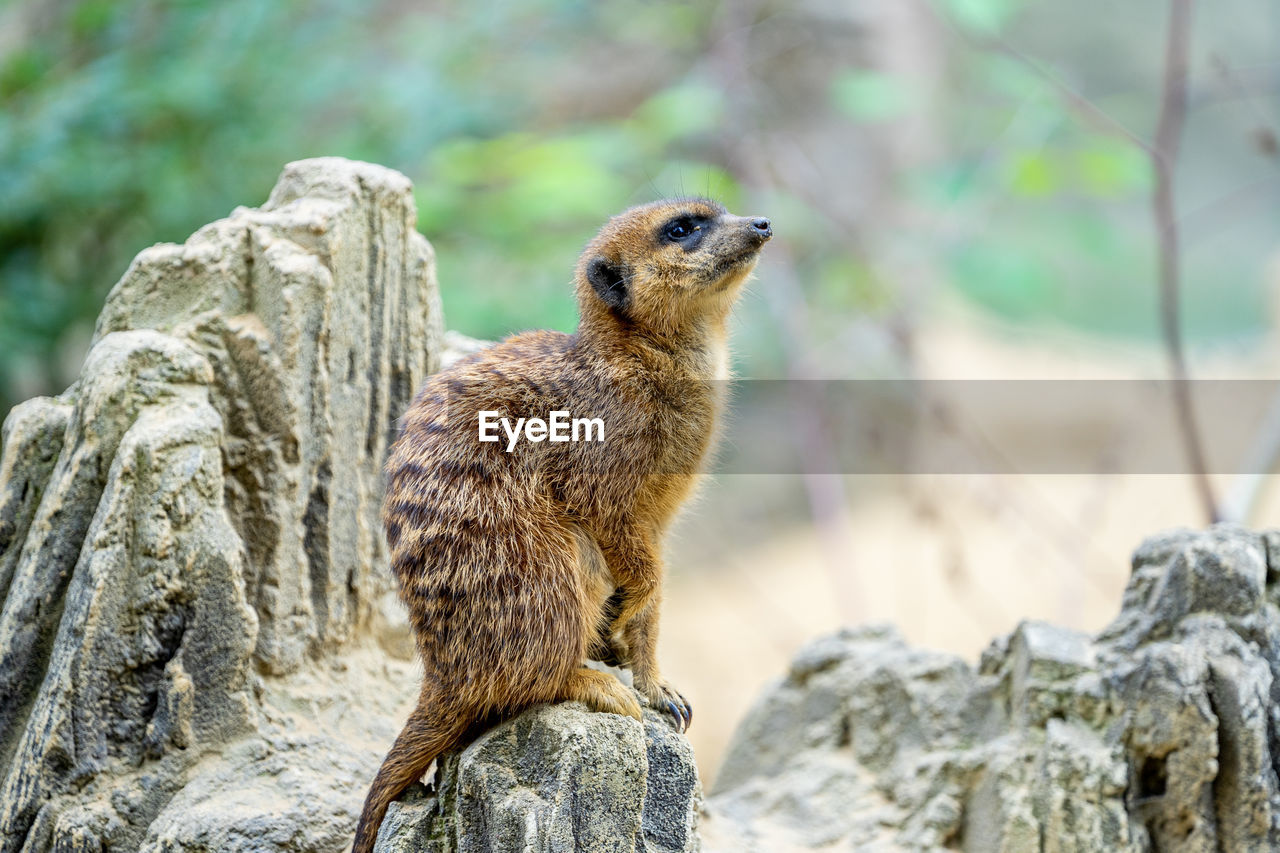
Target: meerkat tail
<point x="424" y="737"/>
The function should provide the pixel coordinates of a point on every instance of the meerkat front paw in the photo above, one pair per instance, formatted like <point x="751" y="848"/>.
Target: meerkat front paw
<point x="602" y="691"/>
<point x="663" y="696"/>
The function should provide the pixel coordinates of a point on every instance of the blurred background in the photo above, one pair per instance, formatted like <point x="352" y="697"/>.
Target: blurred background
<point x="961" y="189"/>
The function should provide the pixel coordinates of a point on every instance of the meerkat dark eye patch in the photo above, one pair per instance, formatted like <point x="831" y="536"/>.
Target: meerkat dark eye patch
<point x="685" y="230"/>
<point x="609" y="281"/>
<point x="679" y="229"/>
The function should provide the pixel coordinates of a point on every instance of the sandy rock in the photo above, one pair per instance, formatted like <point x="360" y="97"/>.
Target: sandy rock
<point x="557" y="778"/>
<point x="32" y="439"/>
<point x="320" y="316"/>
<point x="1159" y="734"/>
<point x="200" y="510"/>
<point x="283" y="793"/>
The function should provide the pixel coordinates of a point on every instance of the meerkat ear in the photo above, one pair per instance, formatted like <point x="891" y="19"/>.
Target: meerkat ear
<point x="609" y="282"/>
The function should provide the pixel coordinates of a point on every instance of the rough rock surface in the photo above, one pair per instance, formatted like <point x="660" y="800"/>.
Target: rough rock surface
<point x="1160" y="734"/>
<point x="557" y="778"/>
<point x="200" y="511"/>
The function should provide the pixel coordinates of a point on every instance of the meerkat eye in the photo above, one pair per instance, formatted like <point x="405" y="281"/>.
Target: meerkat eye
<point x="680" y="229"/>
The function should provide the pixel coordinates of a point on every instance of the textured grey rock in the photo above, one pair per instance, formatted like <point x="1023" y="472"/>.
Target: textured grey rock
<point x="557" y="779"/>
<point x="281" y="793"/>
<point x="32" y="440"/>
<point x="1159" y="734"/>
<point x="200" y="510"/>
<point x="319" y="315"/>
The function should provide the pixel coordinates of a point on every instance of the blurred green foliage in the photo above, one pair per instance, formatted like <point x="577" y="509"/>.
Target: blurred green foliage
<point x="127" y="123"/>
<point x="1047" y="217"/>
<point x="870" y="96"/>
<point x="984" y="17"/>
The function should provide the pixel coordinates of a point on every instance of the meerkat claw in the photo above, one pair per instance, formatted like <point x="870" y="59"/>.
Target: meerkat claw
<point x="686" y="713"/>
<point x="677" y="705"/>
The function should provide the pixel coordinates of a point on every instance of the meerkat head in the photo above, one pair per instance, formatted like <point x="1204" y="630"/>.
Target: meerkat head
<point x="666" y="264"/>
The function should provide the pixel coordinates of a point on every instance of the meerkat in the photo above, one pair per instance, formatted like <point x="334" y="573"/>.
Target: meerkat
<point x="518" y="564"/>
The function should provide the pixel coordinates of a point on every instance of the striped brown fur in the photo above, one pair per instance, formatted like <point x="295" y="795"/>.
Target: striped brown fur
<point x="517" y="567"/>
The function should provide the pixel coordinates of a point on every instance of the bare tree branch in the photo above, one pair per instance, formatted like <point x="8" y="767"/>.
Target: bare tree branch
<point x="1075" y="100"/>
<point x="1164" y="159"/>
<point x="1163" y="152"/>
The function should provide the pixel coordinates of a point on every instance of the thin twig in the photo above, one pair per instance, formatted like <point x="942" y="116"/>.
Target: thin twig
<point x="1074" y="99"/>
<point x="1164" y="160"/>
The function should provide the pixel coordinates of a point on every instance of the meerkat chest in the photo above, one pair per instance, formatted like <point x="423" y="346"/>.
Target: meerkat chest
<point x="718" y="360"/>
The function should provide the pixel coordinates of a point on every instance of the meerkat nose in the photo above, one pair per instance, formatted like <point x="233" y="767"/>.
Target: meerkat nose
<point x="762" y="226"/>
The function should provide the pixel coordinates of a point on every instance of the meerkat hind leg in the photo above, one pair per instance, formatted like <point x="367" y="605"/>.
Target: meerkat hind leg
<point x="601" y="691"/>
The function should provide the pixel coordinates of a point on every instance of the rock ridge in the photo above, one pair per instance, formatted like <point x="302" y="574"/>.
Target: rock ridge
<point x="200" y="509"/>
<point x="1161" y="733"/>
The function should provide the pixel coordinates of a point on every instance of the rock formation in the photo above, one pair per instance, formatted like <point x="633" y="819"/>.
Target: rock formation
<point x="557" y="778"/>
<point x="1160" y="734"/>
<point x="200" y="509"/>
